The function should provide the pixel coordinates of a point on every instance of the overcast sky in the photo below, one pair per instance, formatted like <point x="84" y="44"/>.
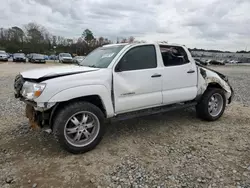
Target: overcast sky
<point x="210" y="24"/>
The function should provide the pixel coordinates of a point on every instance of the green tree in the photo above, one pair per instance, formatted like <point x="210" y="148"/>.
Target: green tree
<point x="88" y="35"/>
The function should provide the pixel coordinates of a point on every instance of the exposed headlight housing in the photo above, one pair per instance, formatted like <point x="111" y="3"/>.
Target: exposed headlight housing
<point x="32" y="90"/>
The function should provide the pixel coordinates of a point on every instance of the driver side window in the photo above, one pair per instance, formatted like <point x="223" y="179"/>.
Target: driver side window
<point x="141" y="57"/>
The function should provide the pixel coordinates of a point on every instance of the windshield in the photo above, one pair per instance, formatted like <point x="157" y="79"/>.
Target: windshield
<point x="101" y="57"/>
<point x="2" y="53"/>
<point x="65" y="55"/>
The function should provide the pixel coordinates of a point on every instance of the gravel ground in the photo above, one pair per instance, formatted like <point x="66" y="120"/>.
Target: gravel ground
<point x="168" y="150"/>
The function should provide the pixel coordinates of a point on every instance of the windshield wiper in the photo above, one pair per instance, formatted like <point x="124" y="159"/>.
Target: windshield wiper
<point x="92" y="66"/>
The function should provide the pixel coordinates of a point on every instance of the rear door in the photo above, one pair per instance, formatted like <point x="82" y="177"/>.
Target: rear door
<point x="179" y="75"/>
<point x="137" y="80"/>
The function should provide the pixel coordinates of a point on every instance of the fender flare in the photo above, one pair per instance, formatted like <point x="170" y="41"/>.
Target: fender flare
<point x="86" y="90"/>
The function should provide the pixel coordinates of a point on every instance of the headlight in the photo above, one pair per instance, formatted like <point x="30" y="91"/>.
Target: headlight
<point x="32" y="90"/>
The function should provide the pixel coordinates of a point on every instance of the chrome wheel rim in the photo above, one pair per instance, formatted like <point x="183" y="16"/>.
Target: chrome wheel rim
<point x="81" y="129"/>
<point x="215" y="104"/>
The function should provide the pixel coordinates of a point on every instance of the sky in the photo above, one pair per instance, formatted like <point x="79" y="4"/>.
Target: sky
<point x="208" y="24"/>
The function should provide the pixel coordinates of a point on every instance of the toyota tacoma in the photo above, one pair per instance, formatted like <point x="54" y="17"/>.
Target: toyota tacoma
<point x="116" y="82"/>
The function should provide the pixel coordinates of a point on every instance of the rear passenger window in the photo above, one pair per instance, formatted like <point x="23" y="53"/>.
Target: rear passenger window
<point x="173" y="56"/>
<point x="141" y="57"/>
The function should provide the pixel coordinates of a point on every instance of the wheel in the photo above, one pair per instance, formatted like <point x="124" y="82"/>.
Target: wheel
<point x="79" y="127"/>
<point x="212" y="104"/>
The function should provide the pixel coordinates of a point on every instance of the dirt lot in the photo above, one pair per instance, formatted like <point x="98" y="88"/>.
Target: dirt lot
<point x="168" y="150"/>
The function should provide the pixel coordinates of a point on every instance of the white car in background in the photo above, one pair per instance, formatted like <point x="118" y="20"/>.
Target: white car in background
<point x="3" y="56"/>
<point x="65" y="58"/>
<point x="78" y="59"/>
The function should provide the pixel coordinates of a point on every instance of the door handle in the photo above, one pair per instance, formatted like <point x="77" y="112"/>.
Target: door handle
<point x="190" y="71"/>
<point x="156" y="75"/>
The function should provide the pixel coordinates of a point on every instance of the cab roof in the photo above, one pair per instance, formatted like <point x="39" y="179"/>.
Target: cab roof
<point x="142" y="43"/>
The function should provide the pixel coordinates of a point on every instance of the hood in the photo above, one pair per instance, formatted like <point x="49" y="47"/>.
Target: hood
<point x="3" y="55"/>
<point x="57" y="71"/>
<point x="19" y="56"/>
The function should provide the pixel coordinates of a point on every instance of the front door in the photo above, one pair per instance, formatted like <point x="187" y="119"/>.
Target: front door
<point x="137" y="80"/>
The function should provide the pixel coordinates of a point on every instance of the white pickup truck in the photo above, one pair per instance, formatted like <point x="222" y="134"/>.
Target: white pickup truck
<point x="115" y="82"/>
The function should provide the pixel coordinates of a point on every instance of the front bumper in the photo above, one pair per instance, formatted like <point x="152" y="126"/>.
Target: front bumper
<point x="3" y="58"/>
<point x="67" y="60"/>
<point x="39" y="61"/>
<point x="38" y="117"/>
<point x="33" y="117"/>
<point x="19" y="59"/>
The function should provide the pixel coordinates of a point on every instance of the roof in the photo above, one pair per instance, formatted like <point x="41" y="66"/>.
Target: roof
<point x="136" y="43"/>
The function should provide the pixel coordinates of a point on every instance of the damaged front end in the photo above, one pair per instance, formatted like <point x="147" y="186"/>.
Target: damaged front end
<point x="208" y="77"/>
<point x="37" y="113"/>
<point x="33" y="117"/>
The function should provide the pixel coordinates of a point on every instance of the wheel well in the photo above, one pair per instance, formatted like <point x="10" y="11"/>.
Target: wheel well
<point x="214" y="85"/>
<point x="93" y="99"/>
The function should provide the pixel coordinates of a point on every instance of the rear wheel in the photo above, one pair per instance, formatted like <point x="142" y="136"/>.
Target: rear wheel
<point x="212" y="104"/>
<point x="79" y="127"/>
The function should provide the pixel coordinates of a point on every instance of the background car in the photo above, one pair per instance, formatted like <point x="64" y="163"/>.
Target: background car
<point x="202" y="62"/>
<point x="217" y="62"/>
<point x="46" y="57"/>
<point x="37" y="58"/>
<point x="78" y="59"/>
<point x="19" y="57"/>
<point x="29" y="56"/>
<point x="3" y="56"/>
<point x="65" y="58"/>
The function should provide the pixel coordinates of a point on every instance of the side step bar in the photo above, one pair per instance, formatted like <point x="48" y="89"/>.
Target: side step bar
<point x="151" y="111"/>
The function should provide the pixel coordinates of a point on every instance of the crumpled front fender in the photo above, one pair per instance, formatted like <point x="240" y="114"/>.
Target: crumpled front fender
<point x="208" y="76"/>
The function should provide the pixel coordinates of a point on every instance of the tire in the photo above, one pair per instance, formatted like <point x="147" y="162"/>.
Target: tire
<point x="62" y="122"/>
<point x="202" y="108"/>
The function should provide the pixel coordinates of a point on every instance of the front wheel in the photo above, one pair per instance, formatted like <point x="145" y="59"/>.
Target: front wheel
<point x="79" y="127"/>
<point x="212" y="104"/>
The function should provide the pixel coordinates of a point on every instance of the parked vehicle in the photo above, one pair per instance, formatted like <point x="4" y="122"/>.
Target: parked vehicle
<point x="37" y="58"/>
<point x="19" y="57"/>
<point x="29" y="56"/>
<point x="202" y="62"/>
<point x="46" y="57"/>
<point x="215" y="62"/>
<point x="10" y="55"/>
<point x="117" y="82"/>
<point x="53" y="57"/>
<point x="78" y="59"/>
<point x="3" y="56"/>
<point x="65" y="58"/>
<point x="234" y="62"/>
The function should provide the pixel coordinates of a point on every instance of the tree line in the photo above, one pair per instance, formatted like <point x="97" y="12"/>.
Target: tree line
<point x="35" y="38"/>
